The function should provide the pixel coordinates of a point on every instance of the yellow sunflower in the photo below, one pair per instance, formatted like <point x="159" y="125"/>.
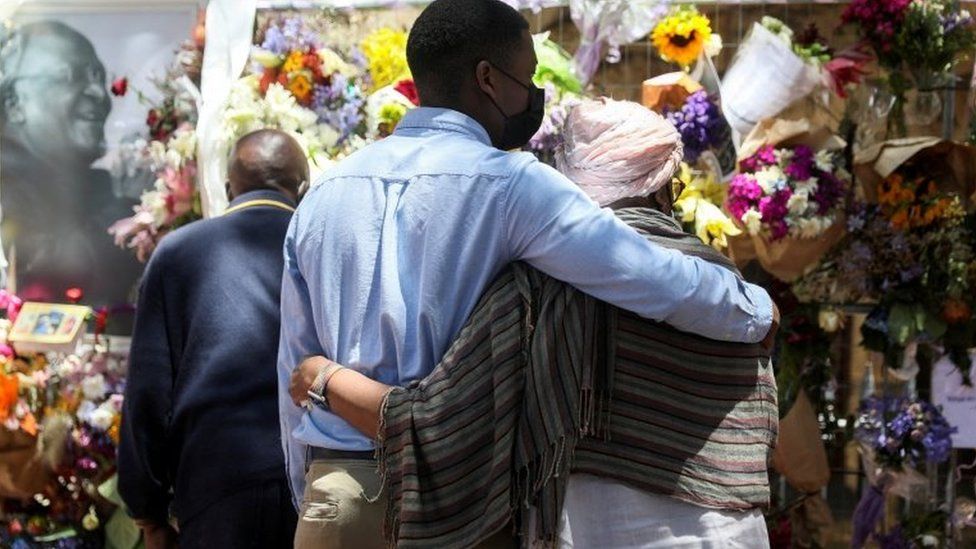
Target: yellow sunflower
<point x="682" y="36"/>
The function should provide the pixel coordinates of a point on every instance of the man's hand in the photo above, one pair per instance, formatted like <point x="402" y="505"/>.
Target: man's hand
<point x="157" y="535"/>
<point x="770" y="339"/>
<point x="303" y="377"/>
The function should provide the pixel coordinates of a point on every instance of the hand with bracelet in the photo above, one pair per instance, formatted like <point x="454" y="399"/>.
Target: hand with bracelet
<point x="342" y="391"/>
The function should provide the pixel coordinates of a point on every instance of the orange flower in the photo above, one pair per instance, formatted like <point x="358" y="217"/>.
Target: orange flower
<point x="900" y="220"/>
<point x="956" y="311"/>
<point x="301" y="88"/>
<point x="113" y="431"/>
<point x="9" y="387"/>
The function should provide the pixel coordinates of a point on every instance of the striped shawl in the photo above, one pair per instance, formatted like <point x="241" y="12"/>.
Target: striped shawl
<point x="543" y="381"/>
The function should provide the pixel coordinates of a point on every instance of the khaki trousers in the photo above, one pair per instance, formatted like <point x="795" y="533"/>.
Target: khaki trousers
<point x="341" y="510"/>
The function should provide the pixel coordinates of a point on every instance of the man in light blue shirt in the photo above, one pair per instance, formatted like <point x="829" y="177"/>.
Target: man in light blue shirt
<point x="387" y="256"/>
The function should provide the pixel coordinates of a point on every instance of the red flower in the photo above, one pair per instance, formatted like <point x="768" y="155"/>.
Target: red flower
<point x="74" y="295"/>
<point x="152" y="118"/>
<point x="409" y="90"/>
<point x="120" y="86"/>
<point x="847" y="67"/>
<point x="269" y="76"/>
<point x="101" y="320"/>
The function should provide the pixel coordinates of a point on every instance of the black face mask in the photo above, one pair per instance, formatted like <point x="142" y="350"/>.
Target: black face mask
<point x="519" y="128"/>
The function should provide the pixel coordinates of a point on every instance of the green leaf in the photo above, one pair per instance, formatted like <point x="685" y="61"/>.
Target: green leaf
<point x="121" y="532"/>
<point x="902" y="323"/>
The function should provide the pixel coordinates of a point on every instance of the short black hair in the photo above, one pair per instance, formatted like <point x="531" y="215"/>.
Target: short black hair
<point x="451" y="36"/>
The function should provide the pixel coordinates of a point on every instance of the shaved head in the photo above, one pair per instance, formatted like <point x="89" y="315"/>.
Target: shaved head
<point x="267" y="160"/>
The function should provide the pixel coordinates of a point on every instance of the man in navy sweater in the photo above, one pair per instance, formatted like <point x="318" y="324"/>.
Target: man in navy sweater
<point x="200" y="439"/>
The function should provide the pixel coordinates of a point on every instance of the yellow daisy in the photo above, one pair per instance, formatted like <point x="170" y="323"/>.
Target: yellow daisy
<point x="682" y="36"/>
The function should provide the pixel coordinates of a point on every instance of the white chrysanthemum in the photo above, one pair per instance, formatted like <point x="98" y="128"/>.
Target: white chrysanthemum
<point x="753" y="221"/>
<point x="783" y="156"/>
<point x="770" y="179"/>
<point x="184" y="143"/>
<point x="94" y="387"/>
<point x="282" y="111"/>
<point x="798" y="202"/>
<point x="824" y="160"/>
<point x="808" y="186"/>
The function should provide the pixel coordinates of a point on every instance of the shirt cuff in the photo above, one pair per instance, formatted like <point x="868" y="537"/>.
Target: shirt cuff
<point x="762" y="315"/>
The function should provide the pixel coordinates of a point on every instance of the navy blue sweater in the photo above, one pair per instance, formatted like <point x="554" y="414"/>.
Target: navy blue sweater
<point x="200" y="417"/>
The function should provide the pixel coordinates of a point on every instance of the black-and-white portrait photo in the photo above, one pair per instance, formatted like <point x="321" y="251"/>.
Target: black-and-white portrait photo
<point x="60" y="132"/>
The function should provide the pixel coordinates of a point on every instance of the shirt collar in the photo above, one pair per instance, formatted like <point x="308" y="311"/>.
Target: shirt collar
<point x="264" y="194"/>
<point x="433" y="118"/>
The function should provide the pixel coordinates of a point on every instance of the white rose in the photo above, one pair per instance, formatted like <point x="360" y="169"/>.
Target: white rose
<point x="85" y="410"/>
<point x="753" y="221"/>
<point x="102" y="417"/>
<point x="94" y="387"/>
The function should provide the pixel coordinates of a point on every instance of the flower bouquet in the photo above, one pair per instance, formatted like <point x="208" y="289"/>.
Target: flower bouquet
<point x="698" y="205"/>
<point x="790" y="201"/>
<point x="765" y="77"/>
<point x="394" y="92"/>
<point x="301" y="87"/>
<point x="174" y="200"/>
<point x="918" y="42"/>
<point x="897" y="437"/>
<point x="170" y="152"/>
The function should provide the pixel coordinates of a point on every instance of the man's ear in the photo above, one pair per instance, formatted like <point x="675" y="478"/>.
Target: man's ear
<point x="485" y="76"/>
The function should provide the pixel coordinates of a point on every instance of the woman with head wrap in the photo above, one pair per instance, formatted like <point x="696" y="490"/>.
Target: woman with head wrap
<point x="624" y="156"/>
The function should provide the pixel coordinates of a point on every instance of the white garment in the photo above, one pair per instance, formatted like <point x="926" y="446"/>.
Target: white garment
<point x="602" y="513"/>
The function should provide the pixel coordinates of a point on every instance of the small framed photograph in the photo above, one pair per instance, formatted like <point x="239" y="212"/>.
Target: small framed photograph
<point x="44" y="327"/>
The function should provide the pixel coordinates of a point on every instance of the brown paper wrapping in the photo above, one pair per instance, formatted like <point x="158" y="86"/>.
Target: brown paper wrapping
<point x="806" y="122"/>
<point x="668" y="91"/>
<point x="23" y="472"/>
<point x="787" y="258"/>
<point x="811" y="520"/>
<point x="953" y="165"/>
<point x="799" y="454"/>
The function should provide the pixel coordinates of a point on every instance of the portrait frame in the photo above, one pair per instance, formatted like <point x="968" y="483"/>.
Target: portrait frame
<point x="132" y="40"/>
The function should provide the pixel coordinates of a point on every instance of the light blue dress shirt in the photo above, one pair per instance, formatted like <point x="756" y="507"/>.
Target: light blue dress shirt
<point x="387" y="256"/>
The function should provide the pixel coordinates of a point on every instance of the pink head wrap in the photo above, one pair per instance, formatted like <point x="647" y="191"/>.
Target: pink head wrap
<point x="618" y="149"/>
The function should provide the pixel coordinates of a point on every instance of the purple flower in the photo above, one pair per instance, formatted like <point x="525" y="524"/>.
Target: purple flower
<point x="698" y="121"/>
<point x="830" y="191"/>
<point x="340" y="105"/>
<point x="289" y="35"/>
<point x="744" y="193"/>
<point x="274" y="41"/>
<point x="766" y="156"/>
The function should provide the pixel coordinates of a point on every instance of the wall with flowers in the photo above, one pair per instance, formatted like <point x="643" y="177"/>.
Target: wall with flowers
<point x="842" y="181"/>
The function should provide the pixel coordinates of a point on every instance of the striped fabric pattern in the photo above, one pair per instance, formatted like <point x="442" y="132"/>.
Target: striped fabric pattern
<point x="545" y="380"/>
